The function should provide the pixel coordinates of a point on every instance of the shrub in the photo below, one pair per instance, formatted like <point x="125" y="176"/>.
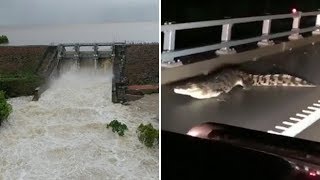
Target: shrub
<point x="17" y="85"/>
<point x="4" y="39"/>
<point x="5" y="108"/>
<point x="148" y="135"/>
<point x="117" y="127"/>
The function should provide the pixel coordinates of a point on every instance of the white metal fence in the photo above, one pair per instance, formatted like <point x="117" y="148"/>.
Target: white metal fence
<point x="169" y="30"/>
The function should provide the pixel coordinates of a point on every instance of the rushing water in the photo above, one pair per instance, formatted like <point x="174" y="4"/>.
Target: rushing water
<point x="63" y="135"/>
<point x="109" y="32"/>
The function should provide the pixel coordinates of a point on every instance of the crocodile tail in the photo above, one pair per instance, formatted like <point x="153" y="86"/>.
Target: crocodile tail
<point x="279" y="80"/>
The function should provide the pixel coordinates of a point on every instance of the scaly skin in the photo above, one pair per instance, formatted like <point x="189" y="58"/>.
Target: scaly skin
<point x="216" y="84"/>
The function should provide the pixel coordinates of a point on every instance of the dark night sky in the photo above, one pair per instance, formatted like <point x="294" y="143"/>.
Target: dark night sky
<point x="195" y="10"/>
<point x="200" y="10"/>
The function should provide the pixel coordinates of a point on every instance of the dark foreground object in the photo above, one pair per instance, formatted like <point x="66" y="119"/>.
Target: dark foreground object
<point x="186" y="157"/>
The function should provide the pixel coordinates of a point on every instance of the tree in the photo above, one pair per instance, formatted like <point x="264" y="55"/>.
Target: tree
<point x="4" y="39"/>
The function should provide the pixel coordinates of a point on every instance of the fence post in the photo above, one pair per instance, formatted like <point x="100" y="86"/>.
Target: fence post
<point x="225" y="37"/>
<point x="169" y="42"/>
<point x="317" y="31"/>
<point x="295" y="26"/>
<point x="96" y="55"/>
<point x="169" y="39"/>
<point x="77" y="55"/>
<point x="265" y="32"/>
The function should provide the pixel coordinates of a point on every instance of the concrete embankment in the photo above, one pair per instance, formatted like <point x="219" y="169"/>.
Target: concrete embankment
<point x="142" y="69"/>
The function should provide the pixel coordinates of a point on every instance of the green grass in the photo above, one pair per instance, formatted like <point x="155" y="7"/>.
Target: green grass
<point x="4" y="39"/>
<point x="5" y="108"/>
<point x="19" y="84"/>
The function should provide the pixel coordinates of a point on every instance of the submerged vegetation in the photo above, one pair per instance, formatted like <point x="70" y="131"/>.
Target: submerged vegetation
<point x="4" y="39"/>
<point x="5" y="108"/>
<point x="118" y="127"/>
<point x="148" y="135"/>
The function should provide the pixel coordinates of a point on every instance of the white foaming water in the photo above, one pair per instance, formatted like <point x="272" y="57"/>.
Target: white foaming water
<point x="64" y="135"/>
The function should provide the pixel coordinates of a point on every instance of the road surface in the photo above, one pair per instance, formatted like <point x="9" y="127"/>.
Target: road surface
<point x="261" y="108"/>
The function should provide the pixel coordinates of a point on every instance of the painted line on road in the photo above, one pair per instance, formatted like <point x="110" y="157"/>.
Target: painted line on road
<point x="299" y="122"/>
<point x="307" y="112"/>
<point x="274" y="132"/>
<point x="288" y="123"/>
<point x="281" y="128"/>
<point x="313" y="108"/>
<point x="301" y="115"/>
<point x="294" y="119"/>
<point x="315" y="104"/>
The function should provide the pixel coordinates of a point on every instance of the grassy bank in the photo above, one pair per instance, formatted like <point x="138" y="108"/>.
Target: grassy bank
<point x="5" y="108"/>
<point x="4" y="39"/>
<point x="22" y="84"/>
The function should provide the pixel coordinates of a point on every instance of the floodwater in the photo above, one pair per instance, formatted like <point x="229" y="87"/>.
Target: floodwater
<point x="64" y="135"/>
<point x="81" y="33"/>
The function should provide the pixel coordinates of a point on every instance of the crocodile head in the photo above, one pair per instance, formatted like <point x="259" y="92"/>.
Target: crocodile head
<point x="197" y="90"/>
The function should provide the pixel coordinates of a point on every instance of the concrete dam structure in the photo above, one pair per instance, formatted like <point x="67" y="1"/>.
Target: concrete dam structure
<point x="45" y="62"/>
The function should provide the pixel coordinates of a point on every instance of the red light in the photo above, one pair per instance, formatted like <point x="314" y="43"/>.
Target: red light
<point x="294" y="10"/>
<point x="312" y="174"/>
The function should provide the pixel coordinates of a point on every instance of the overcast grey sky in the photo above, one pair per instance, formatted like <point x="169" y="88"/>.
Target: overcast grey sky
<point x="31" y="12"/>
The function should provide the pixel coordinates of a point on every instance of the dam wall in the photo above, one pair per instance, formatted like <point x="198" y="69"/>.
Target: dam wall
<point x="24" y="68"/>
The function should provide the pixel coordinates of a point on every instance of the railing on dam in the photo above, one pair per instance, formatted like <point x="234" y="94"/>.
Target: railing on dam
<point x="169" y="30"/>
<point x="94" y="54"/>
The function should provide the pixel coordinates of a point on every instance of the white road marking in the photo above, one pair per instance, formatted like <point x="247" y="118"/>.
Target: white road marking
<point x="301" y="115"/>
<point x="288" y="123"/>
<point x="315" y="104"/>
<point x="313" y="108"/>
<point x="303" y="121"/>
<point x="294" y="119"/>
<point x="281" y="128"/>
<point x="307" y="112"/>
<point x="273" y="132"/>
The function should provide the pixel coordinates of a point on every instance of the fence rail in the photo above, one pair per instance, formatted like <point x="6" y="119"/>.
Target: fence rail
<point x="90" y="44"/>
<point x="170" y="53"/>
